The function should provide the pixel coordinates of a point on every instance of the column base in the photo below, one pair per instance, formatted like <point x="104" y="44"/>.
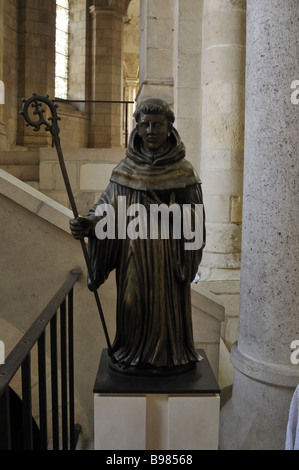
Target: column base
<point x="256" y="416"/>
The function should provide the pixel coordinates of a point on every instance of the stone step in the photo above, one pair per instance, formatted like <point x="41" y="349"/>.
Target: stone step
<point x="18" y="157"/>
<point x="23" y="172"/>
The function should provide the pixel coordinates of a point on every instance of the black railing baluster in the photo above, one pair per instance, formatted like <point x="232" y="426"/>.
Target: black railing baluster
<point x="63" y="366"/>
<point x="33" y="437"/>
<point x="71" y="370"/>
<point x="54" y="383"/>
<point x="27" y="404"/>
<point x="42" y="391"/>
<point x="5" y="429"/>
<point x="126" y="125"/>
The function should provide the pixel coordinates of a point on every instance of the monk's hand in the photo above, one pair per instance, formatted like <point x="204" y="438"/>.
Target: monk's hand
<point x="81" y="227"/>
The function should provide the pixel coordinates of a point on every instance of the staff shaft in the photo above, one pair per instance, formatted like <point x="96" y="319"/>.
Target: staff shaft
<point x="83" y="245"/>
<point x="34" y="101"/>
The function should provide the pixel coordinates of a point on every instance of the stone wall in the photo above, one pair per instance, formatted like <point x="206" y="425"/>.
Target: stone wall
<point x="187" y="72"/>
<point x="221" y="165"/>
<point x="207" y="315"/>
<point x="10" y="72"/>
<point x="156" y="50"/>
<point x="79" y="53"/>
<point x="27" y="64"/>
<point x="36" y="60"/>
<point x="89" y="171"/>
<point x="228" y="294"/>
<point x="73" y="126"/>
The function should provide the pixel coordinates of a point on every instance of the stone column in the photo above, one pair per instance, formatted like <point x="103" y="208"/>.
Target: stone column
<point x="78" y="54"/>
<point x="131" y="60"/>
<point x="221" y="168"/>
<point x="187" y="73"/>
<point x="36" y="61"/>
<point x="156" y="50"/>
<point x="131" y="85"/>
<point x="107" y="72"/>
<point x="170" y="63"/>
<point x="265" y="378"/>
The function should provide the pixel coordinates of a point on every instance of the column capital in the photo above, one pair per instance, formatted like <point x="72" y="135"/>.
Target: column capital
<point x="132" y="81"/>
<point x="118" y="6"/>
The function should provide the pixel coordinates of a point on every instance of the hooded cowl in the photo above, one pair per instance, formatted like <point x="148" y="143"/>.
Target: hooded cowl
<point x="168" y="170"/>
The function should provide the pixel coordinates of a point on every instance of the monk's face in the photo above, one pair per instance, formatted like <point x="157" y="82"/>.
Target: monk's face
<point x="153" y="130"/>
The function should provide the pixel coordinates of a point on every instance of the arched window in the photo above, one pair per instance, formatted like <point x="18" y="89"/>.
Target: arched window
<point x="62" y="49"/>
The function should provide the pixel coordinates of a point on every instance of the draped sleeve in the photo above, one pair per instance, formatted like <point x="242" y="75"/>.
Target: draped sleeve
<point x="103" y="253"/>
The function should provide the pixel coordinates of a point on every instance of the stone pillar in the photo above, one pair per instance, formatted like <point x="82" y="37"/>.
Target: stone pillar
<point x="170" y="63"/>
<point x="187" y="75"/>
<point x="156" y="50"/>
<point x="2" y="85"/>
<point x="221" y="168"/>
<point x="131" y="85"/>
<point x="107" y="72"/>
<point x="265" y="378"/>
<point x="131" y="60"/>
<point x="78" y="54"/>
<point x="36" y="61"/>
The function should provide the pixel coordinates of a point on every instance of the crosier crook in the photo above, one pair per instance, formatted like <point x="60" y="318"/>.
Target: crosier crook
<point x="52" y="126"/>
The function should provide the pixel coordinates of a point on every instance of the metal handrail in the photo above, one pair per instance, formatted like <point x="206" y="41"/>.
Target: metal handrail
<point x="19" y="359"/>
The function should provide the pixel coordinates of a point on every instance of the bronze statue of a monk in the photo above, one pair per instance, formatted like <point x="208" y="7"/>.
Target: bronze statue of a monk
<point x="153" y="273"/>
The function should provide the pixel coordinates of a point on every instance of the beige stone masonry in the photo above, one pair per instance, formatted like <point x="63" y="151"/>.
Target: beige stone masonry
<point x="207" y="316"/>
<point x="107" y="73"/>
<point x="221" y="166"/>
<point x="36" y="60"/>
<point x="89" y="171"/>
<point x="78" y="54"/>
<point x="228" y="294"/>
<point x="156" y="50"/>
<point x="187" y="72"/>
<point x="94" y="176"/>
<point x="73" y="126"/>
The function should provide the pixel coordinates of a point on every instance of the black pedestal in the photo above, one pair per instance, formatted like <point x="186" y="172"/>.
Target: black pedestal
<point x="199" y="380"/>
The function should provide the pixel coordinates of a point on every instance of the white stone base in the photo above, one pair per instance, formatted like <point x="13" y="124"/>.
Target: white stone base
<point x="156" y="422"/>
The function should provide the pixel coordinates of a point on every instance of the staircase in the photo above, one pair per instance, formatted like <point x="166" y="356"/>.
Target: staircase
<point x="23" y="164"/>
